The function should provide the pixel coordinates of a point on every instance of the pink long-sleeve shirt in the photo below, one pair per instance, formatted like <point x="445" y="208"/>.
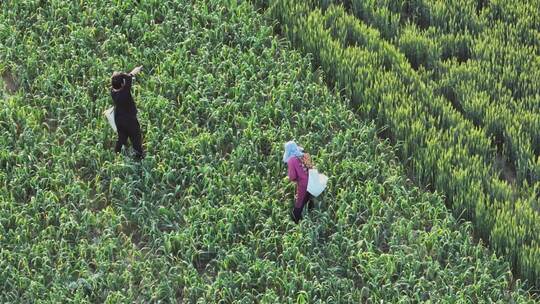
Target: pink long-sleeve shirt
<point x="297" y="174"/>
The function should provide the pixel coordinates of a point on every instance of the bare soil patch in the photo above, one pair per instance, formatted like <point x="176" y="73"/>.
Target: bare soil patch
<point x="10" y="82"/>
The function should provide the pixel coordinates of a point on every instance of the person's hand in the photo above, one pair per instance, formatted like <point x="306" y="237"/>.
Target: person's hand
<point x="136" y="70"/>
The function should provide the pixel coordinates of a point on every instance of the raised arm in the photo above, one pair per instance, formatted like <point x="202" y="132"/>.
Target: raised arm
<point x="128" y="78"/>
<point x="136" y="71"/>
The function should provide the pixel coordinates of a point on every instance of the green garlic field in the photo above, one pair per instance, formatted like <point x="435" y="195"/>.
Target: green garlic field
<point x="204" y="218"/>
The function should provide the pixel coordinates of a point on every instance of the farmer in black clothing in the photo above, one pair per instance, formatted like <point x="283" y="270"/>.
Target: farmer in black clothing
<point x="125" y="112"/>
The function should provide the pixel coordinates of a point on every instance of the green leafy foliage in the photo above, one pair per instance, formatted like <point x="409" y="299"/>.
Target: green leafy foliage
<point x="205" y="217"/>
<point x="473" y="145"/>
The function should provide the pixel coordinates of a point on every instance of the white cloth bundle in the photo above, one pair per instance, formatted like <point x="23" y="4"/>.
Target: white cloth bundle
<point x="316" y="182"/>
<point x="109" y="114"/>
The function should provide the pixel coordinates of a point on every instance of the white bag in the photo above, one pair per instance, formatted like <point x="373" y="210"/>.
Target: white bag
<point x="109" y="114"/>
<point x="316" y="182"/>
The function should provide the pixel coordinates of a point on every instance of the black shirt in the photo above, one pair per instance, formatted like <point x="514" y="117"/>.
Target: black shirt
<point x="123" y="101"/>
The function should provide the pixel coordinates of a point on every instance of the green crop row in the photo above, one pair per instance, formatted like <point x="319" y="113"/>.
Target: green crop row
<point x="491" y="77"/>
<point x="204" y="218"/>
<point x="486" y="68"/>
<point x="442" y="148"/>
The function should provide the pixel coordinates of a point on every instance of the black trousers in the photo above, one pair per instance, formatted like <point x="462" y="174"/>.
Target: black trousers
<point x="128" y="127"/>
<point x="297" y="212"/>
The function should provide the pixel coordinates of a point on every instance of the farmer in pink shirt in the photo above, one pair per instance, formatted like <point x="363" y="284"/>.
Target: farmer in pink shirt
<point x="298" y="164"/>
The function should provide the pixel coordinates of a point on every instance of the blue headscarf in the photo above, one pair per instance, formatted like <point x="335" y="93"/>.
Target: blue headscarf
<point x="292" y="150"/>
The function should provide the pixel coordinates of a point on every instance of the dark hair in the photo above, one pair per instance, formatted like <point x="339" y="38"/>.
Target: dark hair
<point x="117" y="81"/>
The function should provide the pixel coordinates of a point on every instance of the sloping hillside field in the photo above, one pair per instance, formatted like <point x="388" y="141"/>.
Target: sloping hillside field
<point x="204" y="218"/>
